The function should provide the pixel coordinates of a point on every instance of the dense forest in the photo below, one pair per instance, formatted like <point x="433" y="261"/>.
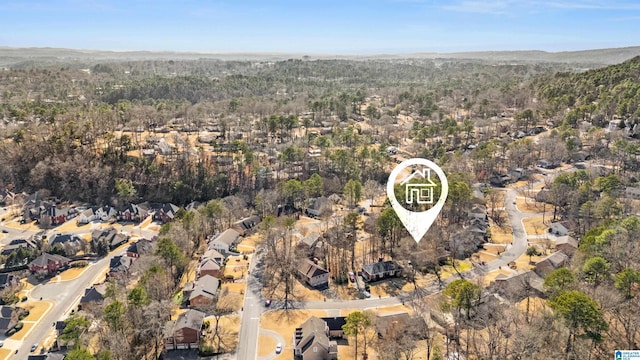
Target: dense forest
<point x="249" y="136"/>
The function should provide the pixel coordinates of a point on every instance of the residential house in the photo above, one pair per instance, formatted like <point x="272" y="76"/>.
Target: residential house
<point x="110" y="236"/>
<point x="47" y="264"/>
<point x="632" y="192"/>
<point x="546" y="164"/>
<point x="71" y="244"/>
<point x="140" y="247"/>
<point x="558" y="229"/>
<point x="6" y="197"/>
<point x="567" y="245"/>
<point x="517" y="174"/>
<point x="9" y="317"/>
<point x="335" y="325"/>
<point x="8" y="280"/>
<point x="184" y="332"/>
<point x="210" y="267"/>
<point x="203" y="291"/>
<point x="381" y="270"/>
<point x="215" y="255"/>
<point x="93" y="295"/>
<point x="119" y="267"/>
<point x="552" y="262"/>
<point x="165" y="213"/>
<point x="312" y="274"/>
<point x="514" y="286"/>
<point x="309" y="243"/>
<point x="133" y="212"/>
<point x="319" y="207"/>
<point x="247" y="225"/>
<point x="311" y="341"/>
<point x="224" y="242"/>
<point x="97" y="214"/>
<point x="15" y="244"/>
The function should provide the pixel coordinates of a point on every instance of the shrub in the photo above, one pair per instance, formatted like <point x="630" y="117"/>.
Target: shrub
<point x="10" y="332"/>
<point x="79" y="264"/>
<point x="24" y="298"/>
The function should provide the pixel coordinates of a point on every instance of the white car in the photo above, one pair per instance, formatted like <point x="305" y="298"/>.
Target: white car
<point x="1" y="343"/>
<point x="279" y="348"/>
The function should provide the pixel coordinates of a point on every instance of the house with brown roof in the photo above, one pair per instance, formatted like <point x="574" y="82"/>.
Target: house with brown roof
<point x="140" y="247"/>
<point x="567" y="244"/>
<point x="47" y="264"/>
<point x="311" y="341"/>
<point x="551" y="262"/>
<point x="184" y="332"/>
<point x="210" y="267"/>
<point x="312" y="274"/>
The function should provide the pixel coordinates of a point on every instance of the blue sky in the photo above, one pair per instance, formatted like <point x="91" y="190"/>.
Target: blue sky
<point x="322" y="26"/>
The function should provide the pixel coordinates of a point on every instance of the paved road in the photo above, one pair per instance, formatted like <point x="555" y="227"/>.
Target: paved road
<point x="251" y="311"/>
<point x="66" y="294"/>
<point x="253" y="308"/>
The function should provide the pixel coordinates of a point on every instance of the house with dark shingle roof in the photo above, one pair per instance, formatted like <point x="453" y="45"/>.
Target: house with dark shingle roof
<point x="8" y="280"/>
<point x="47" y="264"/>
<point x="247" y="225"/>
<point x="111" y="236"/>
<point x="9" y="317"/>
<point x="311" y="341"/>
<point x="16" y="244"/>
<point x="312" y="274"/>
<point x="93" y="295"/>
<point x="140" y="247"/>
<point x="165" y="212"/>
<point x="184" y="332"/>
<point x="69" y="242"/>
<point x="119" y="267"/>
<point x="381" y="270"/>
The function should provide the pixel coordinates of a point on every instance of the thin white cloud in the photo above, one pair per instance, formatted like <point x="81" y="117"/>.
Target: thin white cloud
<point x="500" y="7"/>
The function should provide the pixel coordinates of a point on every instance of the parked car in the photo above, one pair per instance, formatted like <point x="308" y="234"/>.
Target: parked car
<point x="279" y="348"/>
<point x="267" y="303"/>
<point x="34" y="347"/>
<point x="352" y="277"/>
<point x="1" y="343"/>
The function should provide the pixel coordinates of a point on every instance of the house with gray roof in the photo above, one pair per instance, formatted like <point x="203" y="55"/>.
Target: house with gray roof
<point x="225" y="241"/>
<point x="184" y="332"/>
<point x="312" y="274"/>
<point x="381" y="270"/>
<point x="311" y="341"/>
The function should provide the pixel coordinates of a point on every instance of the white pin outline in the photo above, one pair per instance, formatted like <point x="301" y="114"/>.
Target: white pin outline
<point x="417" y="223"/>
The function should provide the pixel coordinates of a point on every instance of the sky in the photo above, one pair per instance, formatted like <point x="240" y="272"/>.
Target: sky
<point x="321" y="26"/>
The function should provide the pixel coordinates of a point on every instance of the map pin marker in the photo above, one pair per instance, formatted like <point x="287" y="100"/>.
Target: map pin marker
<point x="419" y="189"/>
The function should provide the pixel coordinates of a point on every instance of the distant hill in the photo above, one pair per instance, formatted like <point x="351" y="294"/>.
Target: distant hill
<point x="10" y="55"/>
<point x="597" y="95"/>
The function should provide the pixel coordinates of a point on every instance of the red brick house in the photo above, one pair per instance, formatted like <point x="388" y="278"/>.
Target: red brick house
<point x="184" y="332"/>
<point x="47" y="264"/>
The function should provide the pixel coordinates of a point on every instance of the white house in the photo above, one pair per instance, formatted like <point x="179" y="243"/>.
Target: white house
<point x="224" y="241"/>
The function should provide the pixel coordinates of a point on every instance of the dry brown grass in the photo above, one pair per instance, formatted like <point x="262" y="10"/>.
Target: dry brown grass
<point x="6" y="354"/>
<point x="285" y="324"/>
<point x="37" y="309"/>
<point x="229" y="328"/>
<point x="236" y="267"/>
<point x="529" y="205"/>
<point x="232" y="295"/>
<point x="71" y="273"/>
<point x="534" y="225"/>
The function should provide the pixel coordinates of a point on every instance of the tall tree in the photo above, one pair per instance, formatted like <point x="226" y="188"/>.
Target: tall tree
<point x="357" y="324"/>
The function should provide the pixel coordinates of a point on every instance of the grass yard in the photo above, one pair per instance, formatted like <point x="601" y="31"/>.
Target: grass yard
<point x="531" y="206"/>
<point x="37" y="309"/>
<point x="534" y="225"/>
<point x="232" y="295"/>
<point x="6" y="354"/>
<point x="72" y="273"/>
<point x="229" y="328"/>
<point x="20" y="335"/>
<point x="501" y="234"/>
<point x="285" y="324"/>
<point x="236" y="266"/>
